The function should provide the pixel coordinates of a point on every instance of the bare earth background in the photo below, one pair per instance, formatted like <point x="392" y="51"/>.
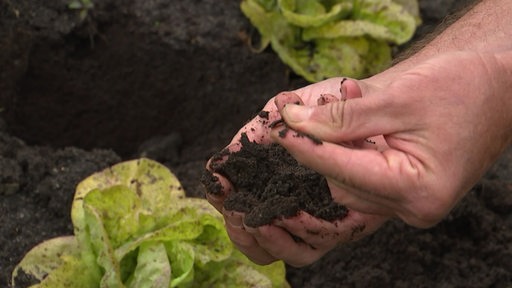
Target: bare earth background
<point x="174" y="80"/>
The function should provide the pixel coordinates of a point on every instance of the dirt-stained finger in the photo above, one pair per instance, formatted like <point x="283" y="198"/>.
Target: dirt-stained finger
<point x="279" y="243"/>
<point x="326" y="99"/>
<point x="244" y="241"/>
<point x="284" y="98"/>
<point x="217" y="189"/>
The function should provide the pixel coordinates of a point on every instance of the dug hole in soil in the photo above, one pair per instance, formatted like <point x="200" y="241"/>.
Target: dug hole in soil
<point x="174" y="81"/>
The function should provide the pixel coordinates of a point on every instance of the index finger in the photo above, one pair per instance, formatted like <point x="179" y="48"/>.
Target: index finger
<point x="379" y="176"/>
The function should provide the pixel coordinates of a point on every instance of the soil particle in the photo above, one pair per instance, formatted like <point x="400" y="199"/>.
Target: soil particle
<point x="270" y="184"/>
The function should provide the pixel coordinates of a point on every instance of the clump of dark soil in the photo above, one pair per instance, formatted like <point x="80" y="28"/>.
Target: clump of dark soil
<point x="269" y="184"/>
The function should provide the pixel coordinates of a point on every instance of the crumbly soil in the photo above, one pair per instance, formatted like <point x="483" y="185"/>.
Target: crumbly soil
<point x="174" y="81"/>
<point x="270" y="184"/>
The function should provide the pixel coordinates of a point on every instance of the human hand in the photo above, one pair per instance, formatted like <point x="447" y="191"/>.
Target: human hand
<point x="279" y="241"/>
<point x="444" y="122"/>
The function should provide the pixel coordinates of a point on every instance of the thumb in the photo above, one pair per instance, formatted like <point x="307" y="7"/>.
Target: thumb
<point x="363" y="114"/>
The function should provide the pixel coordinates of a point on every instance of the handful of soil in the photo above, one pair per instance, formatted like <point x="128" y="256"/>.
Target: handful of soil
<point x="270" y="184"/>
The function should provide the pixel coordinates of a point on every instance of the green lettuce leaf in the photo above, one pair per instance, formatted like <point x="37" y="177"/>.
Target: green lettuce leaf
<point x="53" y="261"/>
<point x="153" y="268"/>
<point x="400" y="21"/>
<point x="318" y="39"/>
<point x="308" y="13"/>
<point x="134" y="227"/>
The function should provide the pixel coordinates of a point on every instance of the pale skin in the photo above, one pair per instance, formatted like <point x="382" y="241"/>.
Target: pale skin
<point x="407" y="143"/>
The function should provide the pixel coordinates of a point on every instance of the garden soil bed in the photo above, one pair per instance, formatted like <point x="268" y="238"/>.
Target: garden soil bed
<point x="173" y="81"/>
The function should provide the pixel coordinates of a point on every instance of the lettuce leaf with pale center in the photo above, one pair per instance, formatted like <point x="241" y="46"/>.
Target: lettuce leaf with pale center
<point x="319" y="39"/>
<point x="134" y="227"/>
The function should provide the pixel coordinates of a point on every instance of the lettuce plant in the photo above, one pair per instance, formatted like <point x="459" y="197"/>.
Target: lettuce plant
<point x="134" y="227"/>
<point x="319" y="39"/>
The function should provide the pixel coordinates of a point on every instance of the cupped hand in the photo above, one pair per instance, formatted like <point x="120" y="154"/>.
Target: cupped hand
<point x="444" y="122"/>
<point x="280" y="241"/>
<point x="259" y="128"/>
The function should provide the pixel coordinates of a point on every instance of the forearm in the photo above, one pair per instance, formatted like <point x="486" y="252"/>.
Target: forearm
<point x="484" y="28"/>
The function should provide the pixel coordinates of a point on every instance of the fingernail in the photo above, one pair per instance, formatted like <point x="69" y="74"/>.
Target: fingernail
<point x="296" y="113"/>
<point x="234" y="219"/>
<point x="343" y="90"/>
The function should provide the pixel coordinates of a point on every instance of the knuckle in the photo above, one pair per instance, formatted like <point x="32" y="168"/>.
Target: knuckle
<point x="337" y="114"/>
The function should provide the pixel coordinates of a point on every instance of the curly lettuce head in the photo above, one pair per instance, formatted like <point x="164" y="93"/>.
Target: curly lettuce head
<point x="319" y="39"/>
<point x="134" y="227"/>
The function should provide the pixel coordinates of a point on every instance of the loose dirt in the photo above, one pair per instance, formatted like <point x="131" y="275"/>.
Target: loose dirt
<point x="270" y="184"/>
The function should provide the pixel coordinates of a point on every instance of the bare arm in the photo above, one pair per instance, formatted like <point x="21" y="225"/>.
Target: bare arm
<point x="486" y="27"/>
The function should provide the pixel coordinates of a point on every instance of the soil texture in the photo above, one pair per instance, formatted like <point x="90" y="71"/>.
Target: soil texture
<point x="270" y="184"/>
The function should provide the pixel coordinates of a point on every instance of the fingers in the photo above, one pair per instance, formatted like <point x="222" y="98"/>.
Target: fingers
<point x="285" y="98"/>
<point x="258" y="129"/>
<point x="325" y="99"/>
<point x="266" y="244"/>
<point x="318" y="233"/>
<point x="280" y="244"/>
<point x="245" y="241"/>
<point x="300" y="240"/>
<point x="353" y="119"/>
<point x="359" y="201"/>
<point x="324" y="235"/>
<point x="216" y="185"/>
<point x="217" y="191"/>
<point x="390" y="172"/>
